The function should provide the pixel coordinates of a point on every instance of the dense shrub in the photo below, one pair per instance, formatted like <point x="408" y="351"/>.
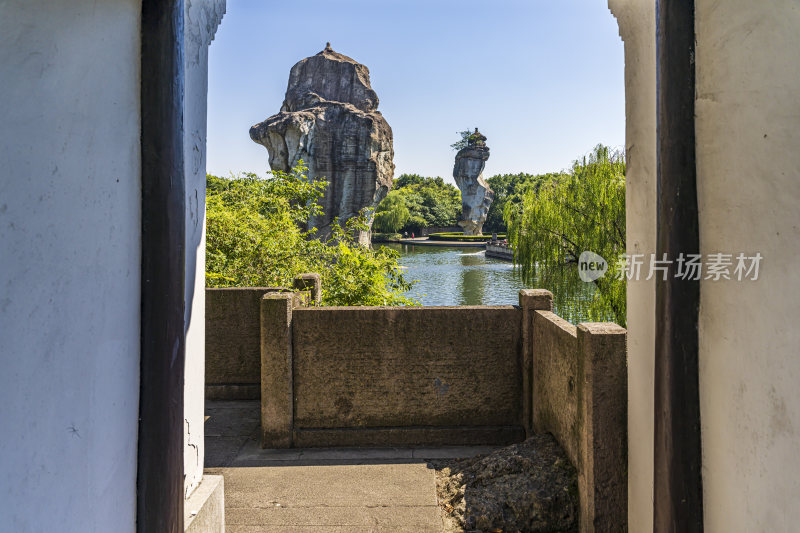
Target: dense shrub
<point x="386" y="237"/>
<point x="255" y="238"/>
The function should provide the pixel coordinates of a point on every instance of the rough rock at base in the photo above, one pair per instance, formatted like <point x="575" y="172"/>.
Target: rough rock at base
<point x="329" y="119"/>
<point x="529" y="486"/>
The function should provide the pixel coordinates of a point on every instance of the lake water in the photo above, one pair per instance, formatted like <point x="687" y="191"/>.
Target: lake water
<point x="465" y="276"/>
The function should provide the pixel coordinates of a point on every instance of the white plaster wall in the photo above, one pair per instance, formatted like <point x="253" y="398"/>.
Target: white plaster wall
<point x="748" y="164"/>
<point x="202" y="17"/>
<point x="637" y="28"/>
<point x="69" y="264"/>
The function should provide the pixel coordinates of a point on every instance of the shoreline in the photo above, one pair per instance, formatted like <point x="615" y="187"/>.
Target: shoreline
<point x="426" y="242"/>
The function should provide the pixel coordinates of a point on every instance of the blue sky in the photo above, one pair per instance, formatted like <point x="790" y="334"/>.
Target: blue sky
<point x="543" y="80"/>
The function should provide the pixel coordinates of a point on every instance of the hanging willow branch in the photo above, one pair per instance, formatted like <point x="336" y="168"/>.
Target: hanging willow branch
<point x="580" y="210"/>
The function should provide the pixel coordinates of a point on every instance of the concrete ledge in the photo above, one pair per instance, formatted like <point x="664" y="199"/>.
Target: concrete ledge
<point x="580" y="396"/>
<point x="499" y="251"/>
<point x="408" y="436"/>
<point x="247" y="391"/>
<point x="204" y="511"/>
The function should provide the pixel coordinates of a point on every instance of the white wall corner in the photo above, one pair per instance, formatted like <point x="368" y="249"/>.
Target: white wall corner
<point x="202" y="18"/>
<point x="636" y="21"/>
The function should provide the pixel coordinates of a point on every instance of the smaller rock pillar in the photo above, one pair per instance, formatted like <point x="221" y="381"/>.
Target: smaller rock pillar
<point x="476" y="196"/>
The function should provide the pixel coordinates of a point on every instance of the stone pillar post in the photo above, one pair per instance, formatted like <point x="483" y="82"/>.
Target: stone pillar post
<point x="602" y="411"/>
<point x="277" y="414"/>
<point x="310" y="282"/>
<point x="530" y="300"/>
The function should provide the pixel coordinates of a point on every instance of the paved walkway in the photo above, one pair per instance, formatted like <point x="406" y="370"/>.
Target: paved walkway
<point x="321" y="489"/>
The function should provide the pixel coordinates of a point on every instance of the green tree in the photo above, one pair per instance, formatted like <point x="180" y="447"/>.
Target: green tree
<point x="255" y="238"/>
<point x="466" y="136"/>
<point x="510" y="188"/>
<point x="583" y="210"/>
<point x="415" y="224"/>
<point x="391" y="214"/>
<point x="430" y="202"/>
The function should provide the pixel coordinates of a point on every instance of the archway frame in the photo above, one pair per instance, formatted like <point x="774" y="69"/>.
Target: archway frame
<point x="676" y="408"/>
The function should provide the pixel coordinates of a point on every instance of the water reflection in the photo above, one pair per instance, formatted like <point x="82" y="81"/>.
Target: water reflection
<point x="465" y="276"/>
<point x="473" y="279"/>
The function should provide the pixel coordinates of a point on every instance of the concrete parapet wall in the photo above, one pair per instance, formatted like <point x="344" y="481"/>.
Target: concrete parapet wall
<point x="555" y="381"/>
<point x="233" y="342"/>
<point x="394" y="375"/>
<point x="407" y="366"/>
<point x="413" y="376"/>
<point x="579" y="395"/>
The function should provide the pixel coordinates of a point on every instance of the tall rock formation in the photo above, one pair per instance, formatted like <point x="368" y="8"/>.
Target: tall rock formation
<point x="330" y="120"/>
<point x="476" y="196"/>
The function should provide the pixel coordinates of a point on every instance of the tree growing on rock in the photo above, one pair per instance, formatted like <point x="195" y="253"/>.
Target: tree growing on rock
<point x="466" y="137"/>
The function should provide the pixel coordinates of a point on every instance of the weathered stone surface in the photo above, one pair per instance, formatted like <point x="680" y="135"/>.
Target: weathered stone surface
<point x="476" y="196"/>
<point x="329" y="76"/>
<point x="530" y="486"/>
<point x="329" y="119"/>
<point x="530" y="300"/>
<point x="233" y="335"/>
<point x="428" y="367"/>
<point x="556" y="383"/>
<point x="276" y="370"/>
<point x="233" y="341"/>
<point x="580" y="397"/>
<point x="409" y="436"/>
<point x="204" y="510"/>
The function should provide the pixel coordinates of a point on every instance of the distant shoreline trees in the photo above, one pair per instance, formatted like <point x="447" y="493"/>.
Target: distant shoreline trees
<point x="416" y="202"/>
<point x="511" y="188"/>
<point x="429" y="202"/>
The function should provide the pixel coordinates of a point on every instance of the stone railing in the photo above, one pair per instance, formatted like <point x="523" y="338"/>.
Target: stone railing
<point x="499" y="249"/>
<point x="351" y="376"/>
<point x="392" y="376"/>
<point x="233" y="336"/>
<point x="579" y="394"/>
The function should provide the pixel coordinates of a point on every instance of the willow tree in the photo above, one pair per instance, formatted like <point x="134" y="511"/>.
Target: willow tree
<point x="391" y="214"/>
<point x="582" y="210"/>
